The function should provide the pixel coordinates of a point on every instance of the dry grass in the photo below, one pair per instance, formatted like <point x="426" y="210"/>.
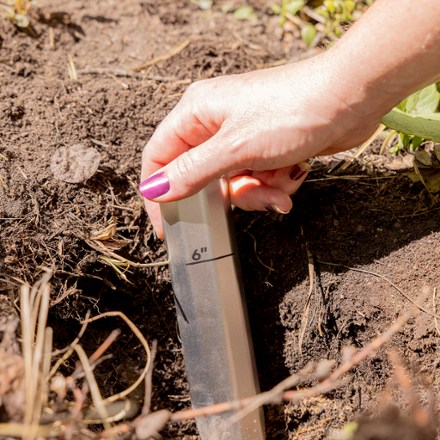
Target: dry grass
<point x="39" y="401"/>
<point x="42" y="403"/>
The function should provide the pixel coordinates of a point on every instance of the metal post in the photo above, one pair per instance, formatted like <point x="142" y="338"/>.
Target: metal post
<point x="211" y="310"/>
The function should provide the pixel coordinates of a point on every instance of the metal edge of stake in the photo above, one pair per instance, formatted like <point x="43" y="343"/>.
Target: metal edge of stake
<point x="211" y="310"/>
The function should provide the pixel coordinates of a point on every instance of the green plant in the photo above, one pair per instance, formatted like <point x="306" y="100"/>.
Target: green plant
<point x="336" y="15"/>
<point x="288" y="7"/>
<point x="320" y="21"/>
<point x="416" y="118"/>
<point x="17" y="11"/>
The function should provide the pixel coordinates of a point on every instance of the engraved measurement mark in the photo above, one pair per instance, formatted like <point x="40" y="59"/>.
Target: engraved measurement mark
<point x="197" y="254"/>
<point x="210" y="259"/>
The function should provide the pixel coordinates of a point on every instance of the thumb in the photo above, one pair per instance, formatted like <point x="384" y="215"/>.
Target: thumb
<point x="190" y="171"/>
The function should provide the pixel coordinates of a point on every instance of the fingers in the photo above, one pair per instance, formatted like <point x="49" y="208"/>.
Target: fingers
<point x="251" y="194"/>
<point x="179" y="131"/>
<point x="188" y="149"/>
<point x="253" y="191"/>
<point x="155" y="217"/>
<point x="288" y="179"/>
<point x="267" y="190"/>
<point x="190" y="171"/>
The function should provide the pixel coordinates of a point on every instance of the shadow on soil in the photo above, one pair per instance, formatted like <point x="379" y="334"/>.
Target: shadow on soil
<point x="351" y="223"/>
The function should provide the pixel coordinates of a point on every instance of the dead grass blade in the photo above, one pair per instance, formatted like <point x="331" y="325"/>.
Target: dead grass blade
<point x="34" y="304"/>
<point x="70" y="349"/>
<point x="100" y="247"/>
<point x="434" y="307"/>
<point x="71" y="69"/>
<point x="98" y="401"/>
<point x="173" y="52"/>
<point x="37" y="378"/>
<point x="144" y="343"/>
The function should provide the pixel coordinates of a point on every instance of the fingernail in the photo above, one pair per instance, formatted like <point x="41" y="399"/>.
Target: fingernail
<point x="299" y="170"/>
<point x="155" y="186"/>
<point x="275" y="208"/>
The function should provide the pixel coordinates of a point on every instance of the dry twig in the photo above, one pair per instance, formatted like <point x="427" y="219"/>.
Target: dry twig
<point x="278" y="393"/>
<point x="305" y="315"/>
<point x="120" y="73"/>
<point x="149" y="381"/>
<point x="144" y="343"/>
<point x="367" y="351"/>
<point x="176" y="50"/>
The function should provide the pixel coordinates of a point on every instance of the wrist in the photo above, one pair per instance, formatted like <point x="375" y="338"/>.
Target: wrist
<point x="354" y="85"/>
<point x="390" y="53"/>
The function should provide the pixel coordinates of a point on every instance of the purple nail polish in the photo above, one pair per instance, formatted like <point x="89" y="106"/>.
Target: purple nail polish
<point x="296" y="173"/>
<point x="155" y="186"/>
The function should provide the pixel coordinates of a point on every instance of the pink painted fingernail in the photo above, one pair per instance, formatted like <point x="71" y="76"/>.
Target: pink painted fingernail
<point x="155" y="186"/>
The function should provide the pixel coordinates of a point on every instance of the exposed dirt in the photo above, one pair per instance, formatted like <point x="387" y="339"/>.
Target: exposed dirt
<point x="371" y="235"/>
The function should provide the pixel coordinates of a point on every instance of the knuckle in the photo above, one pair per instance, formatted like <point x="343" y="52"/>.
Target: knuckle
<point x="185" y="166"/>
<point x="236" y="145"/>
<point x="195" y="96"/>
<point x="195" y="87"/>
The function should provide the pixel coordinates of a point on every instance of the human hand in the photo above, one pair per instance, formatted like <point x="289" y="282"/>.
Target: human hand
<point x="256" y="127"/>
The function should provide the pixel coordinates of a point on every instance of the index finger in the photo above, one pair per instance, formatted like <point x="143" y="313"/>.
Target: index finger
<point x="177" y="133"/>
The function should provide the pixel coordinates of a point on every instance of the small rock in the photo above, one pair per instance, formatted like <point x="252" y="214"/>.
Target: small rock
<point x="75" y="164"/>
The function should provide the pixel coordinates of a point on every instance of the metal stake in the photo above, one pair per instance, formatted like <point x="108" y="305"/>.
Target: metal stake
<point x="211" y="310"/>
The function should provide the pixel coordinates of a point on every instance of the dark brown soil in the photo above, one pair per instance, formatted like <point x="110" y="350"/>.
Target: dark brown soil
<point x="365" y="232"/>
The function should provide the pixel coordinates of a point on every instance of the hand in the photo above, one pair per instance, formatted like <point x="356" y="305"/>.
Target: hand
<point x="258" y="127"/>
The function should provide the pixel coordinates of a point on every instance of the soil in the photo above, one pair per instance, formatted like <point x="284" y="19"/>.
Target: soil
<point x="370" y="235"/>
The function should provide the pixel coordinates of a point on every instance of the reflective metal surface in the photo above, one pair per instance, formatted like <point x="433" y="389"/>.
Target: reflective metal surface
<point x="211" y="310"/>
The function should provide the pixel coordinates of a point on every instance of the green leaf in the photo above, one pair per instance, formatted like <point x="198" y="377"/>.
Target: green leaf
<point x="308" y="34"/>
<point x="402" y="105"/>
<point x="425" y="126"/>
<point x="424" y="101"/>
<point x="405" y="138"/>
<point x="245" y="13"/>
<point x="416" y="141"/>
<point x="294" y="6"/>
<point x="330" y="5"/>
<point x="350" y="5"/>
<point x="276" y="8"/>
